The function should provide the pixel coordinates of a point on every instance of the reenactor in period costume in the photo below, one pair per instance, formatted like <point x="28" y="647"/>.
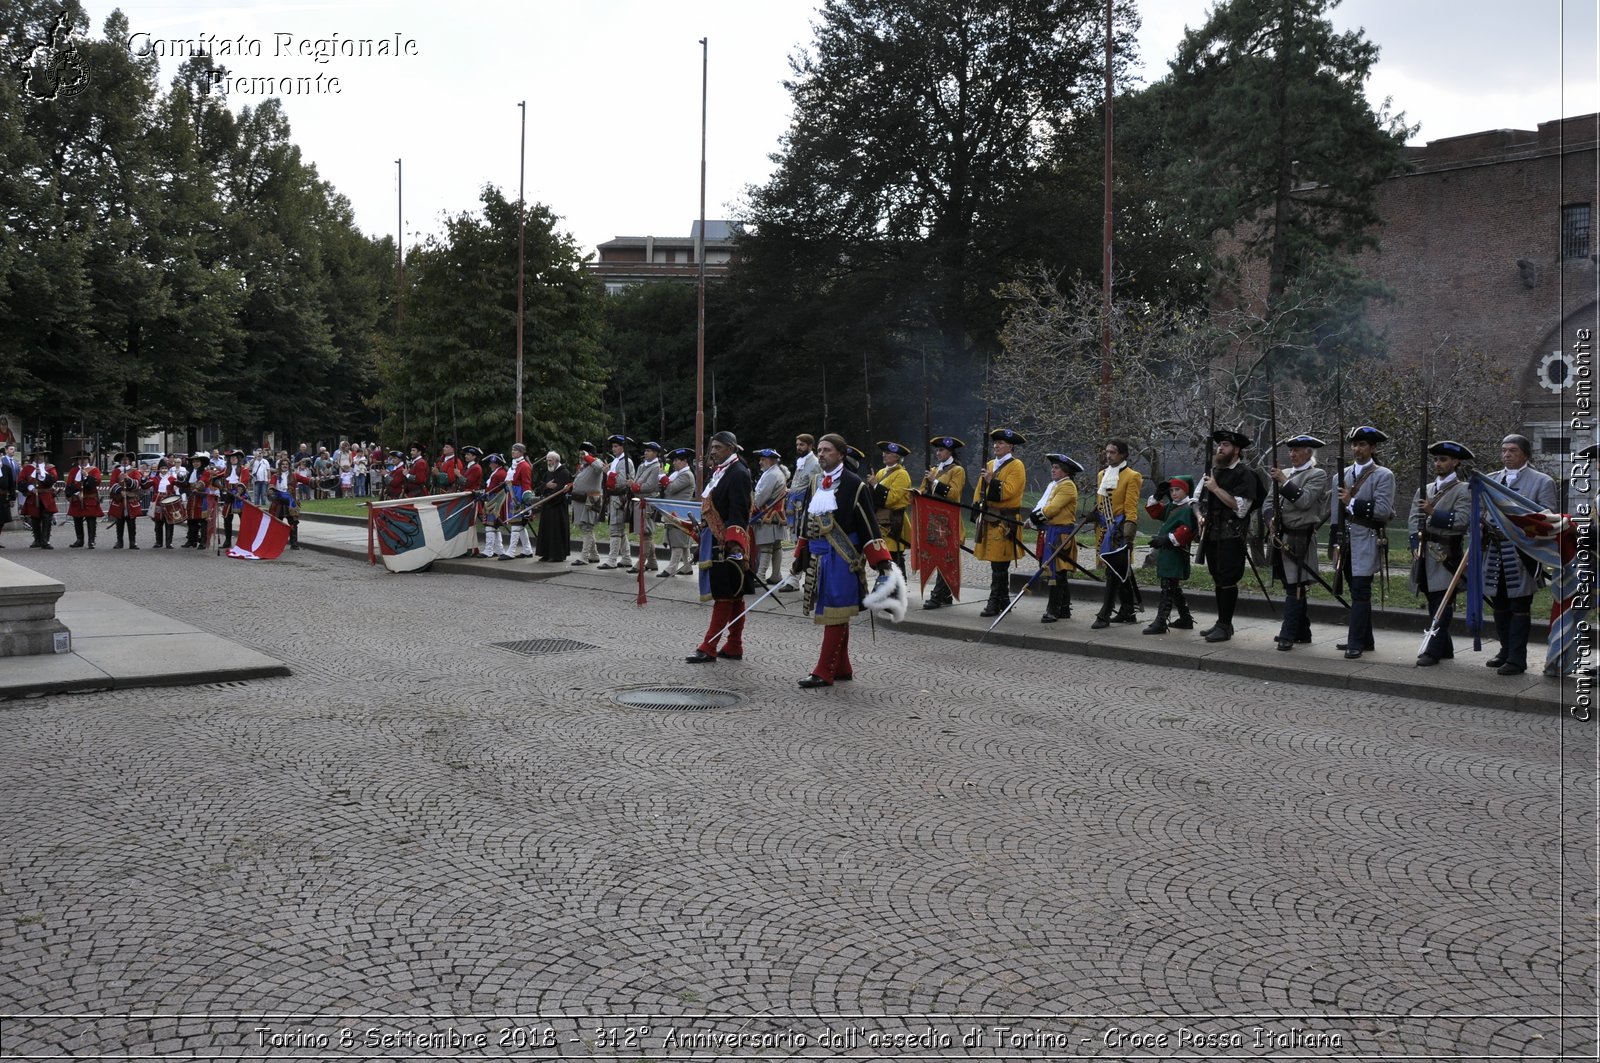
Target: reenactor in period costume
<point x="555" y="526"/>
<point x="199" y="497"/>
<point x="496" y="506"/>
<point x="164" y="486"/>
<point x="1302" y="497"/>
<point x="945" y="480"/>
<point x="471" y="479"/>
<point x="519" y="496"/>
<point x="767" y="520"/>
<point x="1056" y="517"/>
<point x="891" y="498"/>
<point x="38" y="489"/>
<point x="394" y="477"/>
<point x="619" y="473"/>
<point x="1439" y="524"/>
<point x="1116" y="509"/>
<point x="724" y="550"/>
<point x="1361" y="518"/>
<point x="806" y="469"/>
<point x="284" y="497"/>
<point x="450" y="474"/>
<point x="416" y="474"/>
<point x="1180" y="526"/>
<point x="83" y="500"/>
<point x="233" y="484"/>
<point x="125" y="504"/>
<point x="646" y="483"/>
<point x="1511" y="578"/>
<point x="838" y="544"/>
<point x="1229" y="494"/>
<point x="679" y="483"/>
<point x="997" y="494"/>
<point x="588" y="501"/>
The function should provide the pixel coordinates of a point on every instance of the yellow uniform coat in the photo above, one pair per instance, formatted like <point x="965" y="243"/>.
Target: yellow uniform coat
<point x="1062" y="510"/>
<point x="1001" y="540"/>
<point x="893" y="518"/>
<point x="1122" y="501"/>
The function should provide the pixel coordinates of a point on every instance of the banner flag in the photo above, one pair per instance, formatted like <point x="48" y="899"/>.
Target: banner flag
<point x="1549" y="538"/>
<point x="412" y="533"/>
<point x="936" y="537"/>
<point x="261" y="537"/>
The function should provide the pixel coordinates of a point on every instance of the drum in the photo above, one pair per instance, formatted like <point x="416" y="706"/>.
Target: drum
<point x="172" y="509"/>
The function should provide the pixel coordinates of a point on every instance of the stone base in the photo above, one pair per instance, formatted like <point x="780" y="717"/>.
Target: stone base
<point x="28" y="624"/>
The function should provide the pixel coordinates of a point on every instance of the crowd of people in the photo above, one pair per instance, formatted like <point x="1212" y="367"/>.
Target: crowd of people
<point x="825" y="526"/>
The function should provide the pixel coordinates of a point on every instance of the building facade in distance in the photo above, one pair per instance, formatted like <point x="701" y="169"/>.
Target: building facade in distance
<point x="629" y="260"/>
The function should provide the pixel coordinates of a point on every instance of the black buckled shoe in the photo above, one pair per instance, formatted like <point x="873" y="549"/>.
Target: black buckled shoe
<point x="701" y="657"/>
<point x="813" y="680"/>
<point x="726" y="656"/>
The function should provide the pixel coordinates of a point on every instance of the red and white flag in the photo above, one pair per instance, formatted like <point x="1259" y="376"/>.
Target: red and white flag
<point x="261" y="537"/>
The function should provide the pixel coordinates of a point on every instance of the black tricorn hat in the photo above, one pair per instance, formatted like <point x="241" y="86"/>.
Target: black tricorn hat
<point x="1228" y="435"/>
<point x="1304" y="440"/>
<point x="653" y="445"/>
<point x="1072" y="467"/>
<point x="1449" y="448"/>
<point x="855" y="452"/>
<point x="418" y="446"/>
<point x="470" y="449"/>
<point x="1007" y="435"/>
<point x="1367" y="434"/>
<point x="682" y="452"/>
<point x="588" y="447"/>
<point x="613" y="440"/>
<point x="947" y="442"/>
<point x="888" y="446"/>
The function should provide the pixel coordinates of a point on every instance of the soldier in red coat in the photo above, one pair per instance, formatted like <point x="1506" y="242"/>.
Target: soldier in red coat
<point x="283" y="496"/>
<point x="83" y="499"/>
<point x="451" y="472"/>
<point x="232" y="482"/>
<point x="472" y="480"/>
<point x="519" y="489"/>
<point x="37" y="486"/>
<point x="494" y="506"/>
<point x="416" y="475"/>
<point x="198" y="497"/>
<point x="164" y="485"/>
<point x="125" y="507"/>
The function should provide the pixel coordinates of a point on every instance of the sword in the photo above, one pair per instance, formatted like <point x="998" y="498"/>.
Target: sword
<point x="772" y="589"/>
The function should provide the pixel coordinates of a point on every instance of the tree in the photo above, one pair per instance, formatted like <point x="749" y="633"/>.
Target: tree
<point x="452" y="369"/>
<point x="892" y="215"/>
<point x="1276" y="153"/>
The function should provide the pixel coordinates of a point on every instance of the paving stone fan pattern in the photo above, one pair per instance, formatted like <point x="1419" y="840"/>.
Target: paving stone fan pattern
<point x="423" y="835"/>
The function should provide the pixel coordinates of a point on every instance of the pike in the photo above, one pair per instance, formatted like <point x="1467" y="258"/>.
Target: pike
<point x="1341" y="532"/>
<point x="1025" y="587"/>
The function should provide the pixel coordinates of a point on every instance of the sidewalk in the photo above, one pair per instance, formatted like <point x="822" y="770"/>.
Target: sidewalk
<point x="117" y="645"/>
<point x="1252" y="651"/>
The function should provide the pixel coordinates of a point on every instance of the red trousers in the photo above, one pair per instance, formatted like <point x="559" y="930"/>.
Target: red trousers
<point x="722" y="611"/>
<point x="834" y="660"/>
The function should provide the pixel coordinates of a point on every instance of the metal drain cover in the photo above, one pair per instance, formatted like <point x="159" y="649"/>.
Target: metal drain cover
<point x="540" y="647"/>
<point x="680" y="699"/>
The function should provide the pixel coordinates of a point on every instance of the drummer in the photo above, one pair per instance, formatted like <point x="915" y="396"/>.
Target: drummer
<point x="166" y="504"/>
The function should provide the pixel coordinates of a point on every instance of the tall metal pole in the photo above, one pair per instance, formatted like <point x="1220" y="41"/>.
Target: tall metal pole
<point x="1105" y="259"/>
<point x="522" y="228"/>
<point x="399" y="242"/>
<point x="700" y="257"/>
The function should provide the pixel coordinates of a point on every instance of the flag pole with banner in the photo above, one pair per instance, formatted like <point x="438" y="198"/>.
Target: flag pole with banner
<point x="936" y="538"/>
<point x="410" y="534"/>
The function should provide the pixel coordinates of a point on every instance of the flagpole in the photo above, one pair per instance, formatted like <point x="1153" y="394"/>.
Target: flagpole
<point x="522" y="229"/>
<point x="700" y="257"/>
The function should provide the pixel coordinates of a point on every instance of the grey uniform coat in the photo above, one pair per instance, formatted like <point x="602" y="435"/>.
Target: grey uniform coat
<point x="1442" y="536"/>
<point x="769" y="489"/>
<point x="587" y="482"/>
<point x="1522" y="573"/>
<point x="648" y="476"/>
<point x="617" y="508"/>
<point x="681" y="485"/>
<point x="1304" y="498"/>
<point x="1373" y="504"/>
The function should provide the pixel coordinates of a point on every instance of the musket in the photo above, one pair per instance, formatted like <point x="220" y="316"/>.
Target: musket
<point x="532" y="508"/>
<point x="1341" y="531"/>
<point x="1025" y="587"/>
<point x="1445" y="603"/>
<point x="1275" y="527"/>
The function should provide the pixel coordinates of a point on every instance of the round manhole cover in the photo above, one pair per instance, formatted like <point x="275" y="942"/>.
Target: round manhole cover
<point x="681" y="699"/>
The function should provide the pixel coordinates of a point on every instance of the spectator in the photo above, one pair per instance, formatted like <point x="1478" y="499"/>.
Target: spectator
<point x="358" y="469"/>
<point x="260" y="473"/>
<point x="326" y="473"/>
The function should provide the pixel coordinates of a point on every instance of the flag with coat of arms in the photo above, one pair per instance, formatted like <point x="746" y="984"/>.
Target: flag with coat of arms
<point x="412" y="533"/>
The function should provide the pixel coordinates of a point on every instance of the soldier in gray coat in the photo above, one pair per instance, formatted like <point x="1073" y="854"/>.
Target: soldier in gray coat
<point x="618" y="475"/>
<point x="588" y="486"/>
<point x="1362" y="511"/>
<point x="680" y="485"/>
<point x="646" y="483"/>
<point x="767" y="516"/>
<point x="1302" y="496"/>
<point x="1511" y="577"/>
<point x="1439" y="524"/>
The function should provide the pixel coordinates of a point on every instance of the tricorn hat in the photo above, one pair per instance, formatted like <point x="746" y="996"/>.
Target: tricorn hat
<point x="1449" y="448"/>
<point x="683" y="453"/>
<point x="1367" y="434"/>
<point x="1228" y="435"/>
<point x="588" y="447"/>
<point x="1303" y="440"/>
<point x="418" y="446"/>
<point x="615" y="440"/>
<point x="947" y="442"/>
<point x="1072" y="467"/>
<point x="470" y="449"/>
<point x="768" y="452"/>
<point x="654" y="446"/>
<point x="889" y="446"/>
<point x="855" y="452"/>
<point x="1007" y="435"/>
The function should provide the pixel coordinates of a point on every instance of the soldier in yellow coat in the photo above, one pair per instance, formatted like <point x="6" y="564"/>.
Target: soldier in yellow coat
<point x="891" y="497"/>
<point x="1117" y="512"/>
<point x="946" y="480"/>
<point x="998" y="493"/>
<point x="1056" y="517"/>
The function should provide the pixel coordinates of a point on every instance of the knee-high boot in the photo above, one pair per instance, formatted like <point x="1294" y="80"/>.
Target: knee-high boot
<point x="1158" y="626"/>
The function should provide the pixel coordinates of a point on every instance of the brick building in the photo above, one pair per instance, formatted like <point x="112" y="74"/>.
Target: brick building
<point x="628" y="260"/>
<point x="1489" y="243"/>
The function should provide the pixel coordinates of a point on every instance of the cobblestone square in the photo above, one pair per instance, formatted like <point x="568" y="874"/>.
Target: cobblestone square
<point x="425" y="835"/>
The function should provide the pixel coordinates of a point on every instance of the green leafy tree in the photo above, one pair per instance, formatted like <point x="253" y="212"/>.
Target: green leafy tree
<point x="452" y="369"/>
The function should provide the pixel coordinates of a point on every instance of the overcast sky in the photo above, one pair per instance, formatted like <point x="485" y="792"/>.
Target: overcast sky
<point x="613" y="90"/>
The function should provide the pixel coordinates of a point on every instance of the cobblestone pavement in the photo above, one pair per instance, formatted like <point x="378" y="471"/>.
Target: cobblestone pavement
<point x="423" y="838"/>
